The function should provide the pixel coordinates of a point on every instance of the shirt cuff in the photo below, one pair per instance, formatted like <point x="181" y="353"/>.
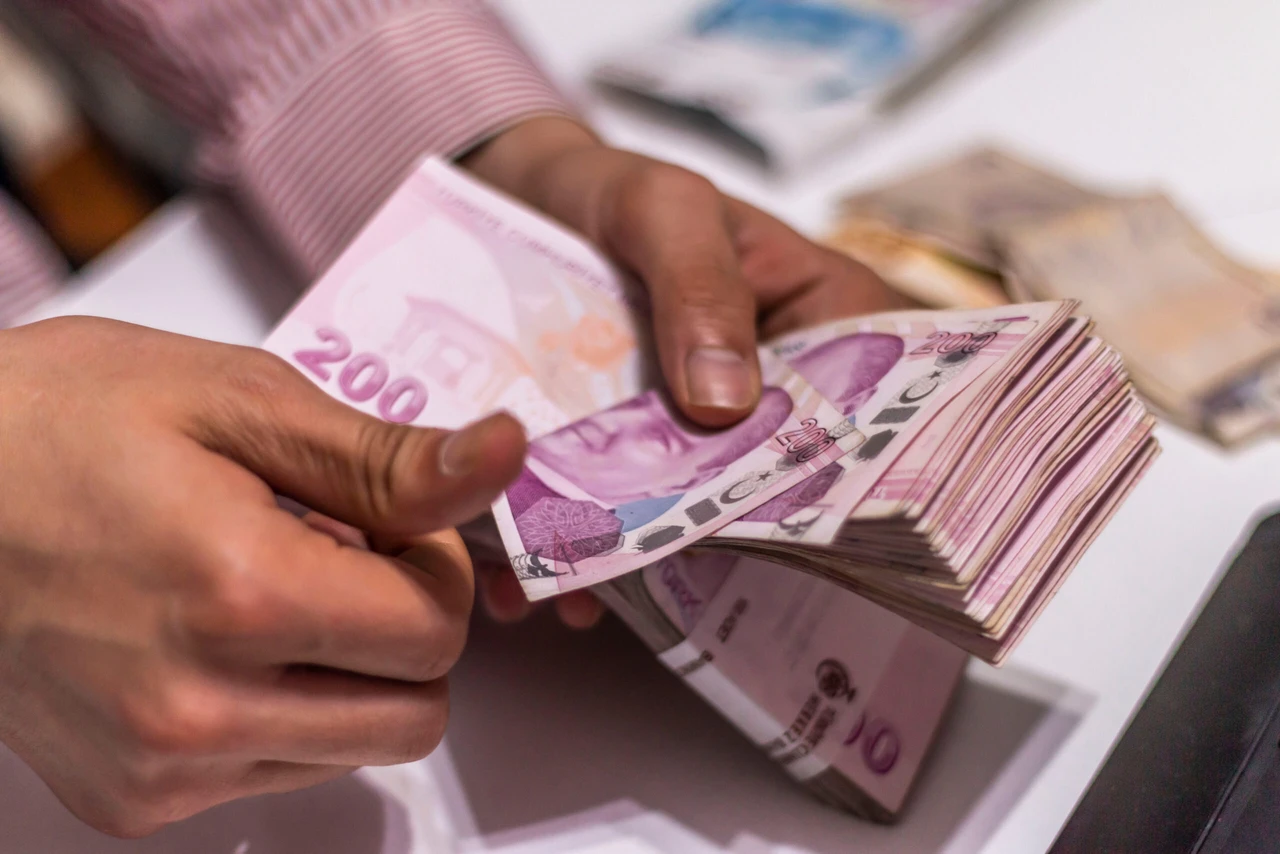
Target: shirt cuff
<point x="327" y="138"/>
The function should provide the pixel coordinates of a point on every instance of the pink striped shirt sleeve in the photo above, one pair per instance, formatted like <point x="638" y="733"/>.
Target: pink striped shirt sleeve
<point x="30" y="267"/>
<point x="311" y="111"/>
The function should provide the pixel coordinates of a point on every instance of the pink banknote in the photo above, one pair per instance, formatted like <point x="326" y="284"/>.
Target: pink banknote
<point x="892" y="375"/>
<point x="456" y="301"/>
<point x="818" y="677"/>
<point x="617" y="490"/>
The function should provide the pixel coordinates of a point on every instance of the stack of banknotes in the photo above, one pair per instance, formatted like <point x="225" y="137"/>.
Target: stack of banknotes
<point x="1199" y="331"/>
<point x="933" y="475"/>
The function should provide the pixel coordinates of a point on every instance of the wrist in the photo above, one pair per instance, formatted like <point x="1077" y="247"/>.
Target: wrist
<point x="517" y="160"/>
<point x="554" y="164"/>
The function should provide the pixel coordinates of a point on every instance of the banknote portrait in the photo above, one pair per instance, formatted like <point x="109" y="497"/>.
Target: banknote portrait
<point x="633" y="462"/>
<point x="847" y="370"/>
<point x="638" y="450"/>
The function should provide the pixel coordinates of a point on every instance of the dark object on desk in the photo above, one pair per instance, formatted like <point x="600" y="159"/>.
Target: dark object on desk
<point x="1198" y="770"/>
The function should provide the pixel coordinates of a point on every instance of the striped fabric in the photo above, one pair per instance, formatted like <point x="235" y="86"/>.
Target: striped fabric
<point x="30" y="267"/>
<point x="311" y="111"/>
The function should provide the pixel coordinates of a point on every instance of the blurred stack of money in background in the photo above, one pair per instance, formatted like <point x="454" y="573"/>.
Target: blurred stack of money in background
<point x="1200" y="332"/>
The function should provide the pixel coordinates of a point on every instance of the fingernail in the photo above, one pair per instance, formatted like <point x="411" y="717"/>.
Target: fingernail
<point x="460" y="452"/>
<point x="719" y="378"/>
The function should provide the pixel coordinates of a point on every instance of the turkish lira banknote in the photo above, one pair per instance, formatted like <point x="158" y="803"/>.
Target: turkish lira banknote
<point x="615" y="491"/>
<point x="945" y="469"/>
<point x="845" y="695"/>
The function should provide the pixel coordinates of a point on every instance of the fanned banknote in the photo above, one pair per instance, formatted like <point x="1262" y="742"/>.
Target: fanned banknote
<point x="457" y="301"/>
<point x="949" y="466"/>
<point x="890" y="374"/>
<point x="613" y="492"/>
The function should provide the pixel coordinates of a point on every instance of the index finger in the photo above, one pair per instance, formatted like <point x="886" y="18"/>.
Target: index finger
<point x="283" y="593"/>
<point x="671" y="227"/>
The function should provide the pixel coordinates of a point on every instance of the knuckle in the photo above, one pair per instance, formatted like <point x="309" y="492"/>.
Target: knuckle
<point x="654" y="187"/>
<point x="125" y="823"/>
<point x="252" y="388"/>
<point x="383" y="461"/>
<point x="263" y="372"/>
<point x="423" y="735"/>
<point x="177" y="720"/>
<point x="441" y="652"/>
<point x="712" y="312"/>
<point x="665" y="182"/>
<point x="725" y="304"/>
<point x="259" y="376"/>
<point x="233" y="603"/>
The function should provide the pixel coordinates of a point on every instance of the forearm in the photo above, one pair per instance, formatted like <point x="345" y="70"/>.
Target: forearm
<point x="313" y="111"/>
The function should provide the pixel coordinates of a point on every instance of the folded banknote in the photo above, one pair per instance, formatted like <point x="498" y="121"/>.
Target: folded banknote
<point x="949" y="467"/>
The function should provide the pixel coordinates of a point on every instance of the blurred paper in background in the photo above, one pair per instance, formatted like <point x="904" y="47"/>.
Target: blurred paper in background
<point x="796" y="78"/>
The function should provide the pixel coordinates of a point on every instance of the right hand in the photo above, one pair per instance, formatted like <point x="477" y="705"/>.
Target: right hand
<point x="170" y="638"/>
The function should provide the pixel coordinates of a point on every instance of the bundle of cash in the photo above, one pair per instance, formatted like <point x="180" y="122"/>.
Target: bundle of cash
<point x="794" y="79"/>
<point x="1200" y="332"/>
<point x="950" y="467"/>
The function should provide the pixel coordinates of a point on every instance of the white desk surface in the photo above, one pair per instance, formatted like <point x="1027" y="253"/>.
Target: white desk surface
<point x="1130" y="93"/>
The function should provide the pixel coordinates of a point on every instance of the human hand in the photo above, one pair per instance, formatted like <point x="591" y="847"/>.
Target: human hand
<point x="170" y="638"/>
<point x="720" y="274"/>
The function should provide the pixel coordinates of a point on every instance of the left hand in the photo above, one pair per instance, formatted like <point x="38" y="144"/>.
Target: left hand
<point x="720" y="274"/>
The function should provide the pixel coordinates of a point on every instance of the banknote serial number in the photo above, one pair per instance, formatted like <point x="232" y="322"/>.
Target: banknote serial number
<point x="363" y="376"/>
<point x="730" y="622"/>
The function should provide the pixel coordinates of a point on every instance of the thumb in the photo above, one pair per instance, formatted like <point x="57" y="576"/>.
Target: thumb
<point x="671" y="227"/>
<point x="383" y="478"/>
